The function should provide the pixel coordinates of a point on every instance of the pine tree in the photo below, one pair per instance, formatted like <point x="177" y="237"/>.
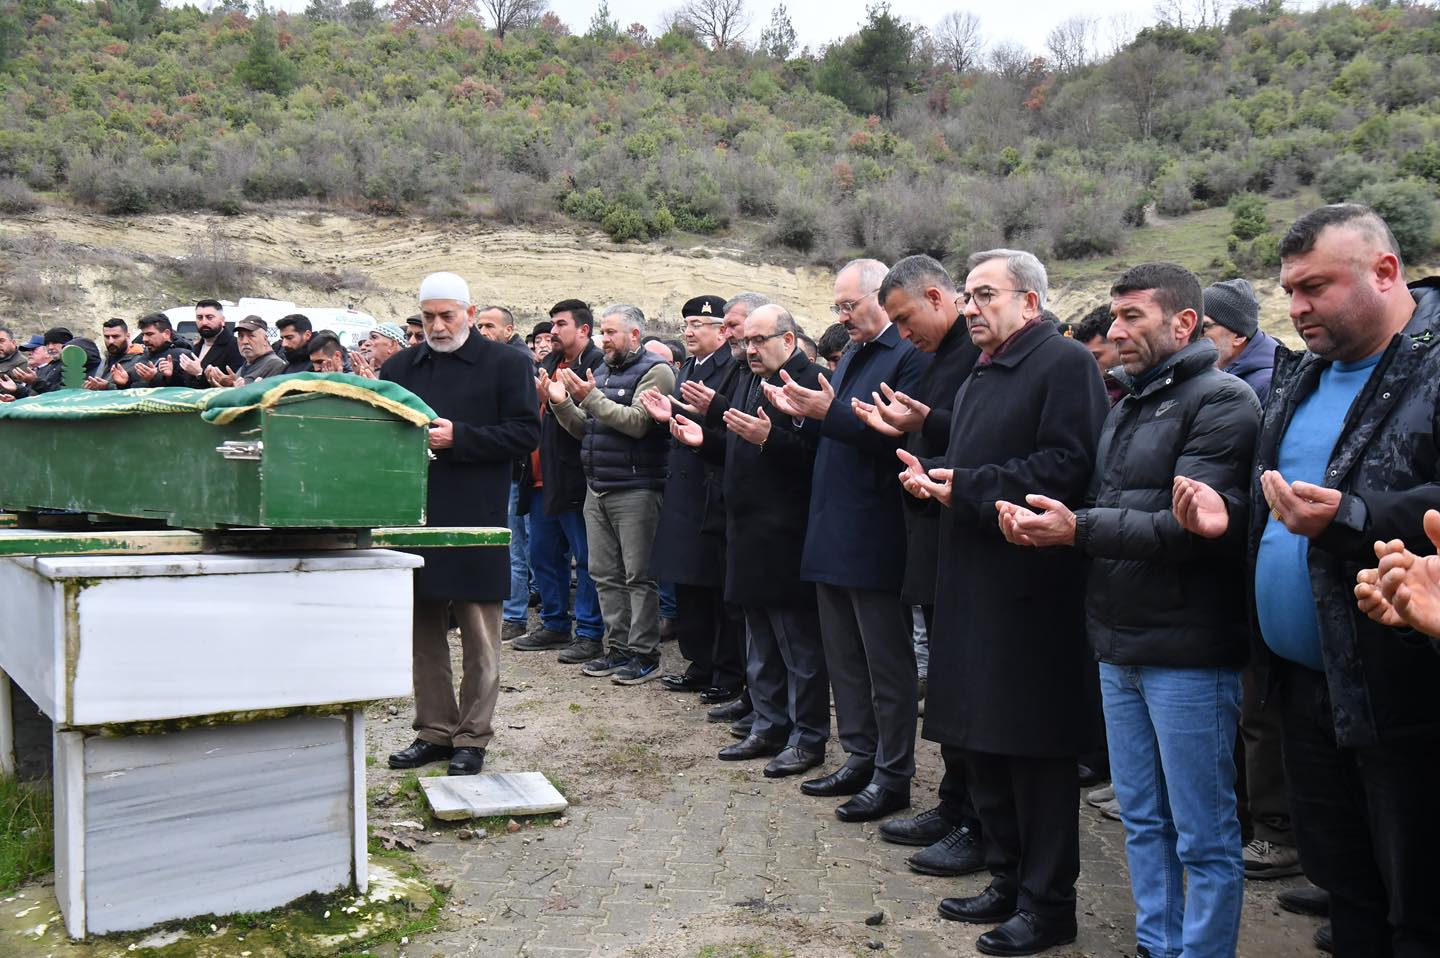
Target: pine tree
<point x="264" y="67"/>
<point x="778" y="39"/>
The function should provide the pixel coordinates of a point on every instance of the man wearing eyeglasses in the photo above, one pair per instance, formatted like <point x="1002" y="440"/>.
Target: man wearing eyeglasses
<point x="920" y="298"/>
<point x="689" y="548"/>
<point x="1009" y="644"/>
<point x="768" y="459"/>
<point x="855" y="554"/>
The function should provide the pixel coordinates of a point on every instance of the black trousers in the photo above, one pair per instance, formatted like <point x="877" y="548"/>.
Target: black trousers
<point x="711" y="635"/>
<point x="870" y="654"/>
<point x="1366" y="826"/>
<point x="1031" y="824"/>
<point x="955" y="805"/>
<point x="1260" y="787"/>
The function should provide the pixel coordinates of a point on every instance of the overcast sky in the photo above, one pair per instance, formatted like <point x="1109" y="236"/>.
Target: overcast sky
<point x="818" y="22"/>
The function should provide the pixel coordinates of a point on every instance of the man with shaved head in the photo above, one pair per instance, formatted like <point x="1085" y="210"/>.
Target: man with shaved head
<point x="855" y="553"/>
<point x="1347" y="461"/>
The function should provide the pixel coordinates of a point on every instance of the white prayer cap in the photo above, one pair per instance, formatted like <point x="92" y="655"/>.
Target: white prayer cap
<point x="445" y="286"/>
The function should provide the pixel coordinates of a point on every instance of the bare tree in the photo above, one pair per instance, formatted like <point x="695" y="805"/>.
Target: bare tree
<point x="958" y="40"/>
<point x="1071" y="43"/>
<point x="1143" y="76"/>
<point x="722" y="22"/>
<point x="509" y="14"/>
<point x="432" y="13"/>
<point x="1191" y="14"/>
<point x="1010" y="61"/>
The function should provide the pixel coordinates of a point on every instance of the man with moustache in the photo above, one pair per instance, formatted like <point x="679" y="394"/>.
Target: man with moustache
<point x="555" y="507"/>
<point x="689" y="548"/>
<point x="1009" y="642"/>
<point x="855" y="554"/>
<point x="159" y="365"/>
<point x="482" y="395"/>
<point x="624" y="453"/>
<point x="218" y="348"/>
<point x="768" y="459"/>
<point x="1346" y="464"/>
<point x="11" y="357"/>
<point x="920" y="298"/>
<point x="115" y="335"/>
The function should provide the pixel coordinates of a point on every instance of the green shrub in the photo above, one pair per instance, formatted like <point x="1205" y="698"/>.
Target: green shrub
<point x="1408" y="208"/>
<point x="1247" y="215"/>
<point x="1345" y="176"/>
<point x="622" y="223"/>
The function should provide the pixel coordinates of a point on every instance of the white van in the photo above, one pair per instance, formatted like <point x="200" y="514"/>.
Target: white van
<point x="352" y="326"/>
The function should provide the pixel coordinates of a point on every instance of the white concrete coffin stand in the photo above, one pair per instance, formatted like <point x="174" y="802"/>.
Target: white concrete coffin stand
<point x="234" y="812"/>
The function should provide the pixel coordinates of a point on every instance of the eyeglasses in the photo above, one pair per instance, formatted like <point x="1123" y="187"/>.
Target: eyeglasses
<point x="702" y="323"/>
<point x="755" y="342"/>
<point x="848" y="306"/>
<point x="985" y="295"/>
<point x="1207" y="325"/>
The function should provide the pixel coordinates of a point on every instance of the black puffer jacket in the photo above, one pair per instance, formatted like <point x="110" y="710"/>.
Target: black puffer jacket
<point x="1157" y="594"/>
<point x="1384" y="683"/>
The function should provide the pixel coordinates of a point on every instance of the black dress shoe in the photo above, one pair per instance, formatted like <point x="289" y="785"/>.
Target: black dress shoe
<point x="1092" y="777"/>
<point x="958" y="853"/>
<point x="1325" y="939"/>
<point x="752" y="746"/>
<point x="843" y="781"/>
<point x="922" y="831"/>
<point x="420" y="752"/>
<point x="730" y="711"/>
<point x="1308" y="900"/>
<point x="467" y="761"/>
<point x="682" y="682"/>
<point x="793" y="761"/>
<point x="991" y="905"/>
<point x="716" y="694"/>
<point x="1026" y="933"/>
<point x="872" y="802"/>
<point x="740" y="728"/>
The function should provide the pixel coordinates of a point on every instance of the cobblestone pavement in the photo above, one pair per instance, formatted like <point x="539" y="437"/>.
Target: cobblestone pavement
<point x="669" y="852"/>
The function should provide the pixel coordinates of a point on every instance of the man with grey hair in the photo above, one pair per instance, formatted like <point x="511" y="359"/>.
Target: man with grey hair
<point x="1009" y="642"/>
<point x="768" y="460"/>
<point x="920" y="298"/>
<point x="855" y="553"/>
<point x="624" y="453"/>
<point x="485" y="418"/>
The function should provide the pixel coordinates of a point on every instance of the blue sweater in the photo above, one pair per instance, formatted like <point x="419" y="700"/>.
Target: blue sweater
<point x="1284" y="599"/>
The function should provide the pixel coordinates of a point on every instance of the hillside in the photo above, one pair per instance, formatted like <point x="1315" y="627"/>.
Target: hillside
<point x="76" y="268"/>
<point x="890" y="140"/>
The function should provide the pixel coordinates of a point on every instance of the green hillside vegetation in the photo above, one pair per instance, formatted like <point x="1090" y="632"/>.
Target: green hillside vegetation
<point x="887" y="142"/>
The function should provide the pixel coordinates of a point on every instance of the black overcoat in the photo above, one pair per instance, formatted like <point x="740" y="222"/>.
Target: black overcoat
<point x="937" y="387"/>
<point x="1009" y="663"/>
<point x="767" y="495"/>
<point x="486" y="389"/>
<point x="690" y="537"/>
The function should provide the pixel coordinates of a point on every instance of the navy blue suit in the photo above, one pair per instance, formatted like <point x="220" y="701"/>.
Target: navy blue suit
<point x="855" y="554"/>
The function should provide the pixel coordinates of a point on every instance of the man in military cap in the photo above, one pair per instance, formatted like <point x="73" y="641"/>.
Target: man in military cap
<point x="689" y="545"/>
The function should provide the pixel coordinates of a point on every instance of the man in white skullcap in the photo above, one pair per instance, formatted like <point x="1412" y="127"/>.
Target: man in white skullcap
<point x="483" y="396"/>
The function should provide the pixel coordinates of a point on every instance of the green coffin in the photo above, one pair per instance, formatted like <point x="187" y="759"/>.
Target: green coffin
<point x="304" y="451"/>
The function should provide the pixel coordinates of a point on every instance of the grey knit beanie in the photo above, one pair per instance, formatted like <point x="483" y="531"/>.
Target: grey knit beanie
<point x="1234" y="305"/>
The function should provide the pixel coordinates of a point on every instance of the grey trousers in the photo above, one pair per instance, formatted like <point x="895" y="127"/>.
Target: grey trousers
<point x="620" y="526"/>
<point x="439" y="719"/>
<point x="870" y="655"/>
<point x="785" y="663"/>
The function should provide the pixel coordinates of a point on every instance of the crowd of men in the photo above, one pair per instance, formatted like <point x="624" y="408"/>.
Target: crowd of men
<point x="1235" y="531"/>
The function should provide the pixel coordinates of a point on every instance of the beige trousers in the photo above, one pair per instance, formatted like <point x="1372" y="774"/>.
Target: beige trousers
<point x="439" y="718"/>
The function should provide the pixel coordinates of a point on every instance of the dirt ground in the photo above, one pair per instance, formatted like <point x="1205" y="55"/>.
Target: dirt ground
<point x="667" y="851"/>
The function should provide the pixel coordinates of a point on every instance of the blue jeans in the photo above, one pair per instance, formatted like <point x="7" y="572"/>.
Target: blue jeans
<point x="1172" y="747"/>
<point x="517" y="607"/>
<point x="668" y="608"/>
<point x="553" y="540"/>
